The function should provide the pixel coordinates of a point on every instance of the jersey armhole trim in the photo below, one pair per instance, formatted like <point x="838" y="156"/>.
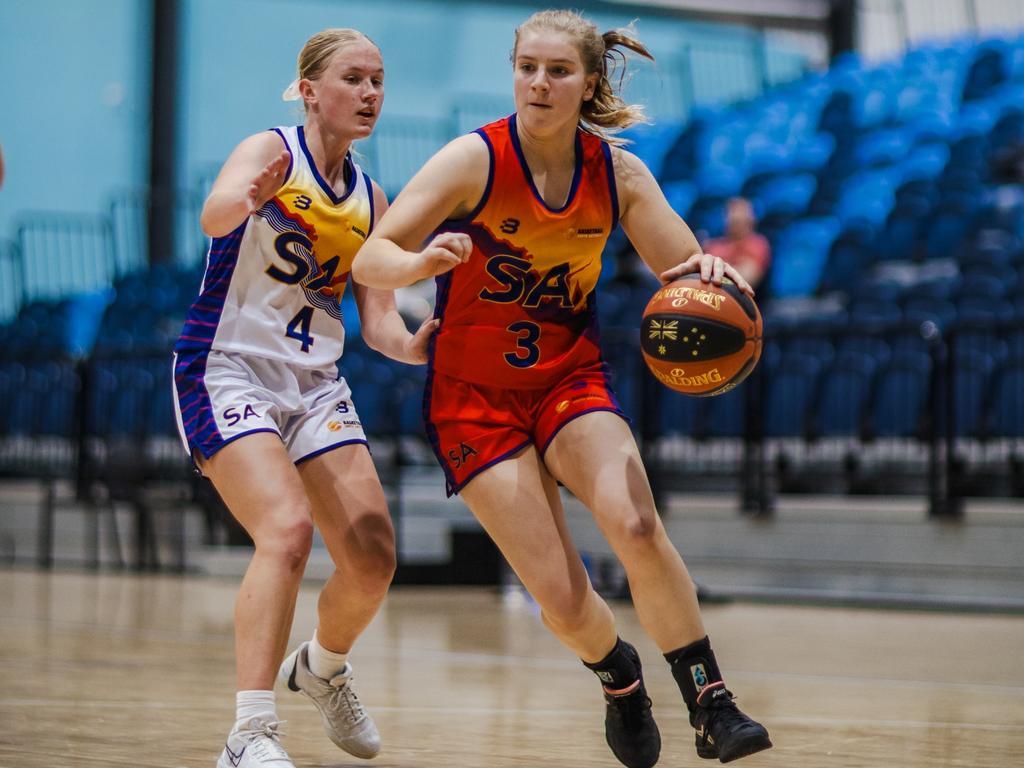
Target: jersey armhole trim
<point x="291" y="157"/>
<point x="369" y="195"/>
<point x="487" y="187"/>
<point x="613" y="189"/>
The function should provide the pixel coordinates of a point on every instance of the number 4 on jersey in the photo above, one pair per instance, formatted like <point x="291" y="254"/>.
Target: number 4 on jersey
<point x="298" y="327"/>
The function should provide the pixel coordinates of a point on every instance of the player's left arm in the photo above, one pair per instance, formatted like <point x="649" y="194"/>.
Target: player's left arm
<point x="664" y="241"/>
<point x="383" y="327"/>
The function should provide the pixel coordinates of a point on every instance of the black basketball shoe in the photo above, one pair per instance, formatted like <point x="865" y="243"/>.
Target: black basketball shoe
<point x="630" y="729"/>
<point x="723" y="731"/>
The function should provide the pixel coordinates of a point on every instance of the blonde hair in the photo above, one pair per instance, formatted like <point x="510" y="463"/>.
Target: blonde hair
<point x="601" y="55"/>
<point x="317" y="52"/>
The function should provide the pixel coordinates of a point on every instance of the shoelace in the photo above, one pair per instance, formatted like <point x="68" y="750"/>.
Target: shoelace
<point x="265" y="741"/>
<point x="344" y="698"/>
<point x="632" y="706"/>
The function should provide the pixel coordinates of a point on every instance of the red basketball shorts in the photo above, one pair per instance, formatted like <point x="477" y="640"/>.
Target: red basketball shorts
<point x="473" y="426"/>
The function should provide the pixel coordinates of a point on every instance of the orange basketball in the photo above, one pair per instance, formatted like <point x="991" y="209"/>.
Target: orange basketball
<point x="700" y="339"/>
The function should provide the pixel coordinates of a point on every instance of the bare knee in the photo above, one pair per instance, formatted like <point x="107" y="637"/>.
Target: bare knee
<point x="375" y="568"/>
<point x="370" y="566"/>
<point x="634" y="528"/>
<point x="567" y="611"/>
<point x="287" y="538"/>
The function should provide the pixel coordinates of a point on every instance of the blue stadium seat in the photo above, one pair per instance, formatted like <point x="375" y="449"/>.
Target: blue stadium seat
<point x="845" y="388"/>
<point x="678" y="413"/>
<point x="800" y="254"/>
<point x="681" y="194"/>
<point x="971" y="381"/>
<point x="920" y="308"/>
<point x="901" y="396"/>
<point x="724" y="415"/>
<point x="791" y="393"/>
<point x="883" y="147"/>
<point x="1006" y="413"/>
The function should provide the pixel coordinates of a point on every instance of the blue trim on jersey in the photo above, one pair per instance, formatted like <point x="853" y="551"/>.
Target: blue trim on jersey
<point x="615" y="409"/>
<point x="576" y="176"/>
<point x="204" y="314"/>
<point x="497" y="460"/>
<point x="291" y="158"/>
<point x="342" y="444"/>
<point x="606" y="371"/>
<point x="490" y="176"/>
<point x="369" y="193"/>
<point x="353" y="177"/>
<point x="217" y="446"/>
<point x="198" y="422"/>
<point x="612" y="188"/>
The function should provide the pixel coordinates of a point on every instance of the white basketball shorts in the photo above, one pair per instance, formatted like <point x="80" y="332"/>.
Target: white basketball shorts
<point x="222" y="396"/>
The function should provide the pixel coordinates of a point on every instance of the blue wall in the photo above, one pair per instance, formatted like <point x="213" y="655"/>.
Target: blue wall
<point x="75" y="93"/>
<point x="75" y="125"/>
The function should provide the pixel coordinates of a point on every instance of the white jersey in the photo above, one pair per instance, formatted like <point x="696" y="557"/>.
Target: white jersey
<point x="273" y="287"/>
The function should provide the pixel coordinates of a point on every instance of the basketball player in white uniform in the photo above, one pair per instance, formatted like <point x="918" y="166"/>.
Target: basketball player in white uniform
<point x="262" y="409"/>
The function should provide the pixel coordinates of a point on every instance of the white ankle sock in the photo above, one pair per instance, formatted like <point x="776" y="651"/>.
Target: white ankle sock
<point x="250" y="704"/>
<point x="323" y="663"/>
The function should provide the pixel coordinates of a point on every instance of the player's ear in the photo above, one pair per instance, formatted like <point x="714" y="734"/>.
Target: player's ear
<point x="591" y="86"/>
<point x="308" y="91"/>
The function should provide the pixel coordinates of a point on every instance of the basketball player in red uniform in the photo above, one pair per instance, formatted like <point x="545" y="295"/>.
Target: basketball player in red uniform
<point x="515" y="216"/>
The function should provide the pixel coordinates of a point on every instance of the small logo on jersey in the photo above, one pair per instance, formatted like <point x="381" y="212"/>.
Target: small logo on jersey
<point x="561" y="406"/>
<point x="699" y="675"/>
<point x="459" y="456"/>
<point x="302" y="202"/>
<point x="586" y="231"/>
<point x="359" y="232"/>
<point x="342" y="407"/>
<point x="335" y="426"/>
<point x="352" y="423"/>
<point x="604" y="676"/>
<point x="232" y="415"/>
<point x="510" y="226"/>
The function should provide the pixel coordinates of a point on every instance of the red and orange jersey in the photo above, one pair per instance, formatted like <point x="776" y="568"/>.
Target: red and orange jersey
<point x="521" y="312"/>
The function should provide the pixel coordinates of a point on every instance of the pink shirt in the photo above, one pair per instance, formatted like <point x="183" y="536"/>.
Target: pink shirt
<point x="753" y="247"/>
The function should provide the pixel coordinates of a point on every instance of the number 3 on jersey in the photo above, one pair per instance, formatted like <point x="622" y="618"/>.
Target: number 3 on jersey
<point x="298" y="327"/>
<point x="527" y="354"/>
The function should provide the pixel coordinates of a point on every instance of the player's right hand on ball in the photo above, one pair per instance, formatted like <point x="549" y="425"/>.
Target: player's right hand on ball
<point x="445" y="252"/>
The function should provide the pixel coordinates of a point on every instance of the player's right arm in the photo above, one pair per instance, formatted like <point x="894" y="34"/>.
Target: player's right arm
<point x="250" y="176"/>
<point x="449" y="186"/>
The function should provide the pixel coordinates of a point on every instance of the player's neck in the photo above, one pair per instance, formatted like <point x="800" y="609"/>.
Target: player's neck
<point x="551" y="152"/>
<point x="328" y="150"/>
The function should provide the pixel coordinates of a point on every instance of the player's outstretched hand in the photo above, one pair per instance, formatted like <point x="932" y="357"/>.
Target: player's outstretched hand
<point x="711" y="268"/>
<point x="444" y="253"/>
<point x="268" y="181"/>
<point x="416" y="345"/>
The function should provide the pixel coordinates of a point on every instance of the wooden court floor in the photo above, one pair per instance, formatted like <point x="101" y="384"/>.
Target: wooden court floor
<point x="124" y="670"/>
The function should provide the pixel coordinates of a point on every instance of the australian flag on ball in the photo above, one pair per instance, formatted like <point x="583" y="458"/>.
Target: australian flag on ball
<point x="680" y="339"/>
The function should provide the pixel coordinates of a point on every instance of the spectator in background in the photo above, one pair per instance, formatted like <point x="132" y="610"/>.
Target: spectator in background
<point x="742" y="247"/>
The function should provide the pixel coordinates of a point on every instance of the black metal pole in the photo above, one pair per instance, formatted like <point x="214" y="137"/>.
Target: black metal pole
<point x="163" y="148"/>
<point x="842" y="27"/>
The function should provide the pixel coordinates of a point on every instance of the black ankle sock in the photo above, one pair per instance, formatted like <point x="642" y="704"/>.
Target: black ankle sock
<point x="620" y="668"/>
<point x="694" y="667"/>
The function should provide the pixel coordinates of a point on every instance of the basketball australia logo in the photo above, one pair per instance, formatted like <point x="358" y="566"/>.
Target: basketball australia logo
<point x="699" y="675"/>
<point x="585" y="232"/>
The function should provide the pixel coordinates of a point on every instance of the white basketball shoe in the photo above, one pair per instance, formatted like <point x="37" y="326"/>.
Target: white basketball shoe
<point x="346" y="721"/>
<point x="256" y="744"/>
